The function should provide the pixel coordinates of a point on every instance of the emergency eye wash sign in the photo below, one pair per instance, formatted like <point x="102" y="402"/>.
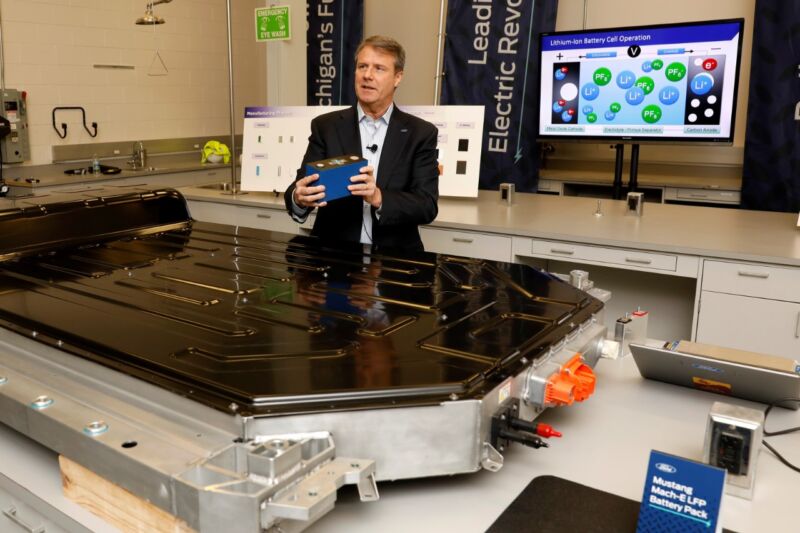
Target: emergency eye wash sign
<point x="680" y="496"/>
<point x="273" y="24"/>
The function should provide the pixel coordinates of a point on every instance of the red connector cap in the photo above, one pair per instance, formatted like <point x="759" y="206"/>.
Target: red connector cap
<point x="546" y="431"/>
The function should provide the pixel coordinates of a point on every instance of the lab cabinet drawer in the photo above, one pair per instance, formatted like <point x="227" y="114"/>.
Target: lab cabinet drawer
<point x="616" y="256"/>
<point x="272" y="220"/>
<point x="751" y="279"/>
<point x="707" y="195"/>
<point x="747" y="323"/>
<point x="215" y="212"/>
<point x="549" y="186"/>
<point x="249" y="217"/>
<point x="467" y="244"/>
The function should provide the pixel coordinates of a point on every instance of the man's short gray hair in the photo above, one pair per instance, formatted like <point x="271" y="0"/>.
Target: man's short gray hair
<point x="388" y="45"/>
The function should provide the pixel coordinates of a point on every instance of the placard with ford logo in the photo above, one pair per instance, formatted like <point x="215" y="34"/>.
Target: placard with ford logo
<point x="680" y="496"/>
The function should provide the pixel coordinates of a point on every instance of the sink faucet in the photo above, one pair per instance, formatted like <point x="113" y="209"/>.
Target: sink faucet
<point x="139" y="156"/>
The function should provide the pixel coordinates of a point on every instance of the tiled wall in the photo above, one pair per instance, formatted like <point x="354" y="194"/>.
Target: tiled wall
<point x="51" y="47"/>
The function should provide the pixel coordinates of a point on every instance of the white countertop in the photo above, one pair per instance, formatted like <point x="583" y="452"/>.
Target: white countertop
<point x="606" y="445"/>
<point x="736" y="234"/>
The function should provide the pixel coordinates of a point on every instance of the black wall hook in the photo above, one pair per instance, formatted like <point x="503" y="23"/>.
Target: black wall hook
<point x="64" y="125"/>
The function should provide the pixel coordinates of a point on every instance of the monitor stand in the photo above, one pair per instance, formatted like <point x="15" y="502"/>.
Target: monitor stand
<point x="617" y="187"/>
<point x="633" y="183"/>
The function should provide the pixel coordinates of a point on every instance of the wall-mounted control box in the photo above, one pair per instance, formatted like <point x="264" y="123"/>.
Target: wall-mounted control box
<point x="16" y="146"/>
<point x="733" y="440"/>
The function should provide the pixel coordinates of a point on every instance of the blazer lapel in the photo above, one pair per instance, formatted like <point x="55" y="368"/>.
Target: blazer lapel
<point x="396" y="138"/>
<point x="349" y="135"/>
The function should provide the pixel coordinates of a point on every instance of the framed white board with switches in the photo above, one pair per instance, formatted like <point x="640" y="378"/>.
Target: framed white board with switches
<point x="275" y="140"/>
<point x="276" y="137"/>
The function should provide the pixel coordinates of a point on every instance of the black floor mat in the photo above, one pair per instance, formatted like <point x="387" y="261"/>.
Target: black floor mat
<point x="550" y="504"/>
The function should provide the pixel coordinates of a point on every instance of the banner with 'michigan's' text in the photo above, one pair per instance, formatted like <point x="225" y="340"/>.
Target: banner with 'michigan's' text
<point x="335" y="29"/>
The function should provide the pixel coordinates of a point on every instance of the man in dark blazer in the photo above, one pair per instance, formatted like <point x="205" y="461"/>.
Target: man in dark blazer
<point x="399" y="188"/>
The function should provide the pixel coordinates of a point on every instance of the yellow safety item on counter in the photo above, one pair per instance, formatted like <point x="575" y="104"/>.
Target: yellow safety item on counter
<point x="215" y="152"/>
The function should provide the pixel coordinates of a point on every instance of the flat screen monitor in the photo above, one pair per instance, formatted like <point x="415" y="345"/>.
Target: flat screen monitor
<point x="670" y="82"/>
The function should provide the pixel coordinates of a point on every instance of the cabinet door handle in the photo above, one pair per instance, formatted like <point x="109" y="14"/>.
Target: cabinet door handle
<point x="564" y="251"/>
<point x="466" y="241"/>
<point x="262" y="215"/>
<point x="11" y="514"/>
<point x="638" y="261"/>
<point x="797" y="327"/>
<point x="754" y="274"/>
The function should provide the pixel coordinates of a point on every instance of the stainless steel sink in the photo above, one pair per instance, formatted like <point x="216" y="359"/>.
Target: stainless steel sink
<point x="220" y="186"/>
<point x="144" y="169"/>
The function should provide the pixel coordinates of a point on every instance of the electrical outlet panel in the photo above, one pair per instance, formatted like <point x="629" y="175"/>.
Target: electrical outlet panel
<point x="733" y="440"/>
<point x="16" y="146"/>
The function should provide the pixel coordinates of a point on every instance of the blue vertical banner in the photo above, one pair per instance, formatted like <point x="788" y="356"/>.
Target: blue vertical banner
<point x="335" y="29"/>
<point x="491" y="58"/>
<point x="771" y="171"/>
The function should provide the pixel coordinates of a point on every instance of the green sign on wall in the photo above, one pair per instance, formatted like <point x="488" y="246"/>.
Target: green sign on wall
<point x="272" y="24"/>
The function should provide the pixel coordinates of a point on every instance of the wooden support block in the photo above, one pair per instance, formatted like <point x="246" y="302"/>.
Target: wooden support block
<point x="114" y="504"/>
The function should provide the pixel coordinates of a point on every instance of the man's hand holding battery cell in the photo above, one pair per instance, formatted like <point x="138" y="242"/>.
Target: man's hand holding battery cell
<point x="364" y="185"/>
<point x="306" y="194"/>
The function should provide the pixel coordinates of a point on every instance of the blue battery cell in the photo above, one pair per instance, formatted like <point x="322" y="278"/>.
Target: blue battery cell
<point x="335" y="174"/>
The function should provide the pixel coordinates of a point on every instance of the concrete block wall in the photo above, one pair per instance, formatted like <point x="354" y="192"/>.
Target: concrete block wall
<point x="52" y="46"/>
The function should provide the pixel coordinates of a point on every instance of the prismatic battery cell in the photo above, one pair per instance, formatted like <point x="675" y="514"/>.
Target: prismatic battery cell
<point x="335" y="174"/>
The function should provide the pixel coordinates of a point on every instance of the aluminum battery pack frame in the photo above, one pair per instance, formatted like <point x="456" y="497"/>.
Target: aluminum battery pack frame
<point x="206" y="344"/>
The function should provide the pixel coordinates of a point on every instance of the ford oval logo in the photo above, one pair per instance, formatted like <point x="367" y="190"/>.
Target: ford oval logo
<point x="708" y="368"/>
<point x="664" y="467"/>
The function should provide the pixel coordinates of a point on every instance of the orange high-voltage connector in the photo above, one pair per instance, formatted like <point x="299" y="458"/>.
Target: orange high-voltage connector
<point x="574" y="382"/>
